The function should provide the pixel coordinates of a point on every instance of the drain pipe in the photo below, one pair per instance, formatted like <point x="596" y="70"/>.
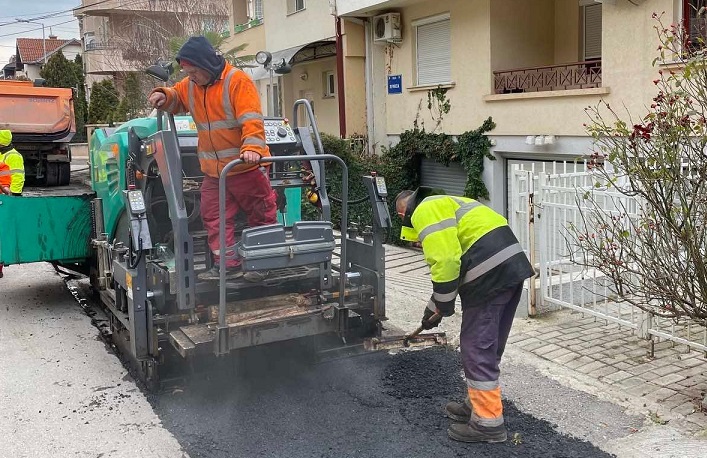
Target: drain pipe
<point x="340" y="79"/>
<point x="370" y="127"/>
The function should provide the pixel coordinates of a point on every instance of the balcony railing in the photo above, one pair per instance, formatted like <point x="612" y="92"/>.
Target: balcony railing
<point x="94" y="45"/>
<point x="238" y="28"/>
<point x="578" y="75"/>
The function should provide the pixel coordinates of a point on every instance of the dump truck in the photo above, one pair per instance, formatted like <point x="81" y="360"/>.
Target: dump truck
<point x="134" y="228"/>
<point x="42" y="123"/>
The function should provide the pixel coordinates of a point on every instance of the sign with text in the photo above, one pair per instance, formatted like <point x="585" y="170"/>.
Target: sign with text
<point x="395" y="84"/>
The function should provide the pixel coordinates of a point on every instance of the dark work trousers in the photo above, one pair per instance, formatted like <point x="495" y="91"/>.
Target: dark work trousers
<point x="483" y="339"/>
<point x="250" y="192"/>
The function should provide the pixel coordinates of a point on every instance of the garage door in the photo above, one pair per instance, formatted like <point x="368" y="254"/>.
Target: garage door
<point x="436" y="175"/>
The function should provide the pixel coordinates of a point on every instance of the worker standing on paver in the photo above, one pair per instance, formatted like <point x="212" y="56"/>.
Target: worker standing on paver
<point x="225" y="105"/>
<point x="12" y="169"/>
<point x="473" y="253"/>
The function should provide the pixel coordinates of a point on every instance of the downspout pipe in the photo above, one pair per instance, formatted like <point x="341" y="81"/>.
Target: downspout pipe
<point x="370" y="120"/>
<point x="341" y="93"/>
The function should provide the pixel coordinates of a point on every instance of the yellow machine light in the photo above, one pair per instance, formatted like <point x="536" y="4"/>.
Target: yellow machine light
<point x="149" y="149"/>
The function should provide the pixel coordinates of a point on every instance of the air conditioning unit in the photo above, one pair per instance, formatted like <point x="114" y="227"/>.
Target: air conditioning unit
<point x="386" y="28"/>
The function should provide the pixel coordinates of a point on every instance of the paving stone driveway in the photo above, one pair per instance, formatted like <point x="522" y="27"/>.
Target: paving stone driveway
<point x="673" y="381"/>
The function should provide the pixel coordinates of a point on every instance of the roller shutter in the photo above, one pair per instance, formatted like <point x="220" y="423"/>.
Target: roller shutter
<point x="452" y="179"/>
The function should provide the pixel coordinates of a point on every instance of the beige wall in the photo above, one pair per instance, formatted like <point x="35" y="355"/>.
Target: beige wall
<point x="326" y="109"/>
<point x="629" y="45"/>
<point x="254" y="37"/>
<point x="522" y="33"/>
<point x="354" y="45"/>
<point x="285" y="31"/>
<point x="566" y="31"/>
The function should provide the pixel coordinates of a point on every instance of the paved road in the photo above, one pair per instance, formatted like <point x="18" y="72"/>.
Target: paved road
<point x="65" y="394"/>
<point x="62" y="392"/>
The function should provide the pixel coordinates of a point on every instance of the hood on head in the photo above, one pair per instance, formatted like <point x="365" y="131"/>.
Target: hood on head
<point x="199" y="52"/>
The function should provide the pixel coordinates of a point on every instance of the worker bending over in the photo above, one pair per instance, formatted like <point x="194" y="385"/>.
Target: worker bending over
<point x="472" y="253"/>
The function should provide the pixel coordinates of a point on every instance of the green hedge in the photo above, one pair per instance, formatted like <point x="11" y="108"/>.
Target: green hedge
<point x="400" y="166"/>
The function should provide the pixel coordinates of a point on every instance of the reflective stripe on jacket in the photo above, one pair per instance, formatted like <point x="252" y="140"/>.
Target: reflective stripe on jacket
<point x="16" y="170"/>
<point x="470" y="250"/>
<point x="228" y="118"/>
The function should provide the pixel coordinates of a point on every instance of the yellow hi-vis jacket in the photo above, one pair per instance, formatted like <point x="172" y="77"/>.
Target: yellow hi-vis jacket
<point x="470" y="249"/>
<point x="16" y="163"/>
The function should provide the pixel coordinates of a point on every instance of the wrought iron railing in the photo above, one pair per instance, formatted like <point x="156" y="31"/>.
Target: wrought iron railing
<point x="577" y="75"/>
<point x="93" y="45"/>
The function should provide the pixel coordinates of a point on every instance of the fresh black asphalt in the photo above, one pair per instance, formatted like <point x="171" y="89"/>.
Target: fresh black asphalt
<point x="274" y="403"/>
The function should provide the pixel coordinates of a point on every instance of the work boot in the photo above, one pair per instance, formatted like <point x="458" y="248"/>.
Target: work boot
<point x="213" y="274"/>
<point x="471" y="432"/>
<point x="256" y="276"/>
<point x="458" y="411"/>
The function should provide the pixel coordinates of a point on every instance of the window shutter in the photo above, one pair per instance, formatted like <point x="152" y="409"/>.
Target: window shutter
<point x="592" y="32"/>
<point x="434" y="55"/>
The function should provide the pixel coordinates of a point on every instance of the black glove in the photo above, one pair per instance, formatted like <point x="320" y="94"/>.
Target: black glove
<point x="430" y="319"/>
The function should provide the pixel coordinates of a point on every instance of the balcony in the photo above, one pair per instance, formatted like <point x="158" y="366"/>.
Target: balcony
<point x="106" y="60"/>
<point x="577" y="75"/>
<point x="238" y="28"/>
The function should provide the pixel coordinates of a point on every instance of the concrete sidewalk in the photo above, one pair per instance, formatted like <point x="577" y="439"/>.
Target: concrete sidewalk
<point x="582" y="352"/>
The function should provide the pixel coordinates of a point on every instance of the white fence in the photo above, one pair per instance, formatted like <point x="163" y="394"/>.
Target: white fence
<point x="543" y="204"/>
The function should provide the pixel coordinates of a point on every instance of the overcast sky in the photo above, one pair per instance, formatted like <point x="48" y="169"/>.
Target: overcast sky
<point x="62" y="24"/>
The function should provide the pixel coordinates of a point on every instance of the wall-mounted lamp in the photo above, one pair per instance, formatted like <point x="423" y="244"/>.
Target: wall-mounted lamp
<point x="304" y="76"/>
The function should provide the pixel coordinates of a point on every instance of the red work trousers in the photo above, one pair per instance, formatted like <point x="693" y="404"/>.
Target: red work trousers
<point x="250" y="192"/>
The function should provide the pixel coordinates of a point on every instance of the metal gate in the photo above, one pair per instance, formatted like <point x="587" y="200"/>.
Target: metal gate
<point x="543" y="204"/>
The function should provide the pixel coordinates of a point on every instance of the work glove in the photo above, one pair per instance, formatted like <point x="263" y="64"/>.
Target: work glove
<point x="430" y="319"/>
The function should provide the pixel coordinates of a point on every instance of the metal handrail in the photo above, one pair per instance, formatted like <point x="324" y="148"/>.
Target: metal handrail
<point x="312" y="121"/>
<point x="222" y="221"/>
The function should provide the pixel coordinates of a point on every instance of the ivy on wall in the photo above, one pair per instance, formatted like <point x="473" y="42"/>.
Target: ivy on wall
<point x="400" y="164"/>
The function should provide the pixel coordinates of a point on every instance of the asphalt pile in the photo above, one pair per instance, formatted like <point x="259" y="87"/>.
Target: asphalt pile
<point x="371" y="406"/>
<point x="422" y="380"/>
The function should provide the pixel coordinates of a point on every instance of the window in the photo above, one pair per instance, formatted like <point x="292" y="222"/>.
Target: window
<point x="255" y="9"/>
<point x="694" y="16"/>
<point x="591" y="26"/>
<point x="295" y="5"/>
<point x="434" y="55"/>
<point x="329" y="79"/>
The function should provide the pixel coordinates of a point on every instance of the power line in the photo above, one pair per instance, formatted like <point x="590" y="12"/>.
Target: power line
<point x="49" y="13"/>
<point x="16" y="22"/>
<point x="33" y="30"/>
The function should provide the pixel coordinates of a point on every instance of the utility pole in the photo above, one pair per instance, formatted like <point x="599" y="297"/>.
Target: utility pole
<point x="44" y="41"/>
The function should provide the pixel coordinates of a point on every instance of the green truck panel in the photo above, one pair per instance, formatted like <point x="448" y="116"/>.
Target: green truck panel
<point x="45" y="228"/>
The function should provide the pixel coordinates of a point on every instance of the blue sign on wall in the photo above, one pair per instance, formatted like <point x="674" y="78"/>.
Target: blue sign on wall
<point x="395" y="84"/>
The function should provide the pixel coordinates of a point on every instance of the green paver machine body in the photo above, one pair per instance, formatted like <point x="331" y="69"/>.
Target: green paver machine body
<point x="148" y="246"/>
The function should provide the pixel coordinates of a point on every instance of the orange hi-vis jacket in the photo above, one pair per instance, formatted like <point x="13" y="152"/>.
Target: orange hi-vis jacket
<point x="5" y="178"/>
<point x="228" y="118"/>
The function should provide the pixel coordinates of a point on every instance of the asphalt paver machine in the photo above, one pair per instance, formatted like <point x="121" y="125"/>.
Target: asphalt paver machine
<point x="150" y="245"/>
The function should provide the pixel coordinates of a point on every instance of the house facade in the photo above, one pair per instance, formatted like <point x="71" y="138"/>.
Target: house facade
<point x="32" y="53"/>
<point x="533" y="66"/>
<point x="315" y="47"/>
<point x="120" y="37"/>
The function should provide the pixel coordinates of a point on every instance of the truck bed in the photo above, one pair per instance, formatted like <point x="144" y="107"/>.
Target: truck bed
<point x="79" y="185"/>
<point x="47" y="224"/>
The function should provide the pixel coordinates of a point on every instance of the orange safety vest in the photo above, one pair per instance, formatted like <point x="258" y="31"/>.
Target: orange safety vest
<point x="228" y="118"/>
<point x="5" y="176"/>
